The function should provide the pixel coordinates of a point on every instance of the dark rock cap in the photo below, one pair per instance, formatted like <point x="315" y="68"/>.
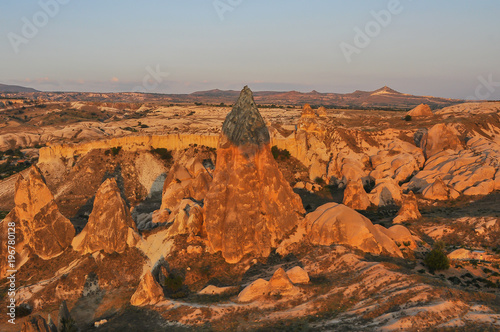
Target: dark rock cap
<point x="244" y="124"/>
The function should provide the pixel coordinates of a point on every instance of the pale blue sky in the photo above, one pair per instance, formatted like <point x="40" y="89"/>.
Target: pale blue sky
<point x="437" y="48"/>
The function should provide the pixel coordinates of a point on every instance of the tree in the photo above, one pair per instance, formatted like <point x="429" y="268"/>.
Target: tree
<point x="437" y="260"/>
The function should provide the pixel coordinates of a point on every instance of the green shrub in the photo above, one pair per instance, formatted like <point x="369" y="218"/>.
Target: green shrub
<point x="279" y="153"/>
<point x="116" y="150"/>
<point x="319" y="181"/>
<point x="163" y="153"/>
<point x="437" y="260"/>
<point x="408" y="118"/>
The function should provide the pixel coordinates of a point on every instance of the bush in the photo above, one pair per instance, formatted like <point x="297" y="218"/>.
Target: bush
<point x="163" y="153"/>
<point x="437" y="260"/>
<point x="408" y="118"/>
<point x="319" y="181"/>
<point x="279" y="153"/>
<point x="116" y="150"/>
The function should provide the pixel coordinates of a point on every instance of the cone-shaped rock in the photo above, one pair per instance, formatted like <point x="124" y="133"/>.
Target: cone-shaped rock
<point x="110" y="226"/>
<point x="35" y="324"/>
<point x="45" y="230"/>
<point x="250" y="207"/>
<point x="244" y="124"/>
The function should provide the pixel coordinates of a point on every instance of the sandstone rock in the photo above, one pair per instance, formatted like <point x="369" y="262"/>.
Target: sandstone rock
<point x="186" y="219"/>
<point x="401" y="235"/>
<point x="497" y="180"/>
<point x="439" y="191"/>
<point x="439" y="138"/>
<point x="409" y="209"/>
<point x="321" y="112"/>
<point x="386" y="192"/>
<point x="149" y="292"/>
<point x="297" y="275"/>
<point x="110" y="226"/>
<point x="45" y="230"/>
<point x="250" y="207"/>
<point x="421" y="110"/>
<point x="35" y="323"/>
<point x="214" y="290"/>
<point x="355" y="196"/>
<point x="255" y="290"/>
<point x="309" y="121"/>
<point x="334" y="223"/>
<point x="482" y="188"/>
<point x="244" y="124"/>
<point x="472" y="177"/>
<point x="279" y="284"/>
<point x="460" y="254"/>
<point x="189" y="177"/>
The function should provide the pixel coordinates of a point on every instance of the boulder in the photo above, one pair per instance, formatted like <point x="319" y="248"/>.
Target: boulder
<point x="334" y="223"/>
<point x="110" y="226"/>
<point x="250" y="207"/>
<point x="482" y="188"/>
<point x="187" y="218"/>
<point x="439" y="191"/>
<point x="149" y="292"/>
<point x="422" y="110"/>
<point x="409" y="209"/>
<point x="440" y="137"/>
<point x="355" y="196"/>
<point x="386" y="192"/>
<point x="255" y="290"/>
<point x="297" y="275"/>
<point x="279" y="284"/>
<point x="400" y="235"/>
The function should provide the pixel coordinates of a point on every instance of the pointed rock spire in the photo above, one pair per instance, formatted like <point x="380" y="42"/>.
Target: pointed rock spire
<point x="244" y="124"/>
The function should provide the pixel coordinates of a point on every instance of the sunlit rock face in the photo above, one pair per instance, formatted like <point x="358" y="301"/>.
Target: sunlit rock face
<point x="334" y="223"/>
<point x="250" y="207"/>
<point x="110" y="226"/>
<point x="44" y="229"/>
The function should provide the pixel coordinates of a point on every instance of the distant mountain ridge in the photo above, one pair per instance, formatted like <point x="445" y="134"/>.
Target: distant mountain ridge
<point x="383" y="98"/>
<point x="15" y="88"/>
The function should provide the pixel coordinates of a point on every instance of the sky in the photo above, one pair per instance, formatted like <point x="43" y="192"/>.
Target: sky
<point x="446" y="48"/>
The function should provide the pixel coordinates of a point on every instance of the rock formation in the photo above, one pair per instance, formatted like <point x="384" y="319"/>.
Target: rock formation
<point x="297" y="275"/>
<point x="439" y="191"/>
<point x="422" y="110"/>
<point x="189" y="177"/>
<point x="279" y="284"/>
<point x="250" y="207"/>
<point x="334" y="223"/>
<point x="355" y="196"/>
<point x="149" y="292"/>
<point x="386" y="192"/>
<point x="309" y="121"/>
<point x="35" y="323"/>
<point x="409" y="209"/>
<point x="44" y="229"/>
<point x="110" y="226"/>
<point x="438" y="138"/>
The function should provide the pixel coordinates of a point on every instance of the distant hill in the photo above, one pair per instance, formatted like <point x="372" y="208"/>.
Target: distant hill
<point x="383" y="98"/>
<point x="15" y="88"/>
